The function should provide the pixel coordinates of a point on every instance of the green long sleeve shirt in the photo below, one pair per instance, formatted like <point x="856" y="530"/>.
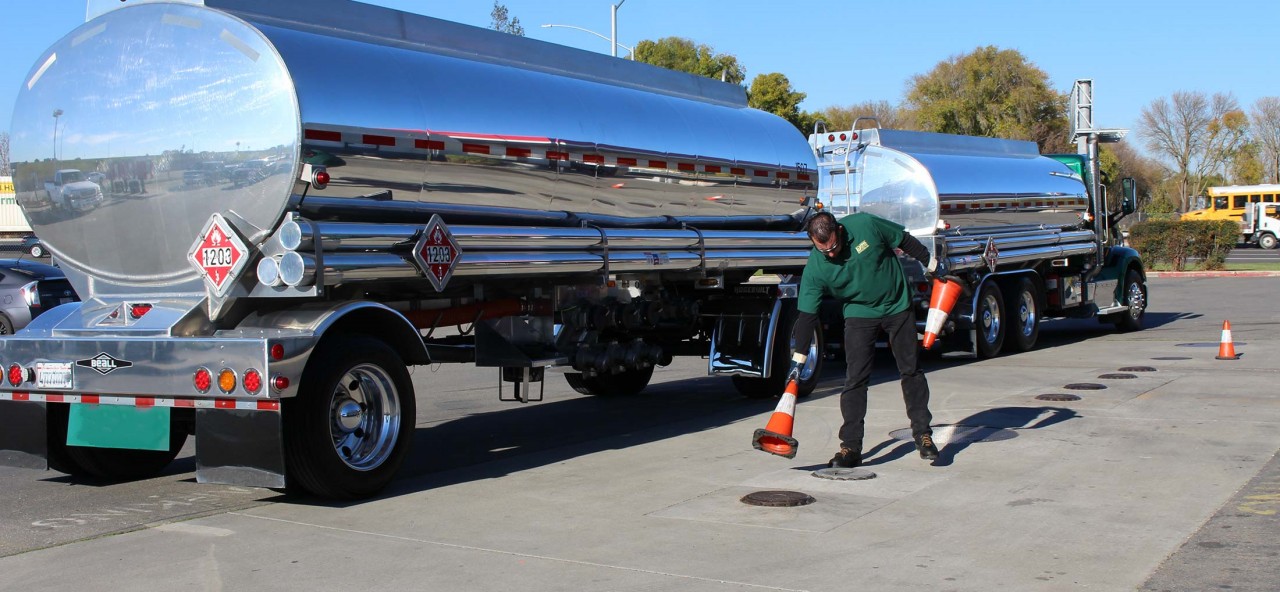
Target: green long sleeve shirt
<point x="866" y="276"/>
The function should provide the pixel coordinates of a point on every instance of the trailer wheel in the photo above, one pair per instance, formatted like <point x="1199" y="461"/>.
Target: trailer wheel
<point x="114" y="464"/>
<point x="626" y="383"/>
<point x="1025" y="302"/>
<point x="763" y="388"/>
<point x="1135" y="295"/>
<point x="56" y="445"/>
<point x="989" y="321"/>
<point x="1267" y="241"/>
<point x="350" y="427"/>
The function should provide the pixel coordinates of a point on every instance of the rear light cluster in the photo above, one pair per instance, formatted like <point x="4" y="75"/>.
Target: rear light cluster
<point x="844" y="137"/>
<point x="251" y="380"/>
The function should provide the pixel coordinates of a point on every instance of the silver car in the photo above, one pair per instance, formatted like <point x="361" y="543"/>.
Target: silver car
<point x="27" y="289"/>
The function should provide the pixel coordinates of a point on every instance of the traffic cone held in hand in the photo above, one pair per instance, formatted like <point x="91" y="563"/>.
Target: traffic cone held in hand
<point x="1227" y="349"/>
<point x="776" y="438"/>
<point x="941" y="301"/>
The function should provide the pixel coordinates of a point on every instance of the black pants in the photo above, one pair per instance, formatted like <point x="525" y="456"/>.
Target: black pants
<point x="860" y="352"/>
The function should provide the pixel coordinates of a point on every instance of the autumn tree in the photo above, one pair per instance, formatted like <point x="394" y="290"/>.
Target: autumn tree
<point x="1265" y="122"/>
<point x="4" y="154"/>
<point x="991" y="92"/>
<point x="772" y="92"/>
<point x="842" y="117"/>
<point x="501" y="20"/>
<point x="1196" y="133"/>
<point x="678" y="53"/>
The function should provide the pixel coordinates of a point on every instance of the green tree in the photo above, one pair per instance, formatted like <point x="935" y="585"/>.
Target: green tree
<point x="503" y="21"/>
<point x="678" y="53"/>
<point x="1247" y="167"/>
<point x="842" y="117"/>
<point x="1121" y="160"/>
<point x="991" y="92"/>
<point x="772" y="92"/>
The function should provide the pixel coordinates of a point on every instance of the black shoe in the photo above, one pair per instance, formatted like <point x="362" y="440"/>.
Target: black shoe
<point x="925" y="446"/>
<point x="847" y="458"/>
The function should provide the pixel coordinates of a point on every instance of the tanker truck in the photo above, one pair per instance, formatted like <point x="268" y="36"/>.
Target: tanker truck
<point x="437" y="193"/>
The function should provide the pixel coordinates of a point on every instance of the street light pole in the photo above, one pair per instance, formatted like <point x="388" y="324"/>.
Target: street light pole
<point x="56" y="114"/>
<point x="613" y="19"/>
<point x="630" y="51"/>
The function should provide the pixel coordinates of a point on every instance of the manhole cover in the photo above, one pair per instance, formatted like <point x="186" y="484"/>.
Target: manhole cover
<point x="842" y="474"/>
<point x="1114" y="376"/>
<point x="778" y="499"/>
<point x="1085" y="386"/>
<point x="1170" y="358"/>
<point x="1057" y="397"/>
<point x="958" y="434"/>
<point x="1137" y="369"/>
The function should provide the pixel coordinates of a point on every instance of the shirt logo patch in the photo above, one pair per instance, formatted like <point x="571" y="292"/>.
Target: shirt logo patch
<point x="862" y="246"/>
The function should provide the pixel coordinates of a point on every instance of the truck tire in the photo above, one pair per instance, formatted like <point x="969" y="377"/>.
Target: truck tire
<point x="626" y="383"/>
<point x="1267" y="241"/>
<point x="351" y="425"/>
<point x="763" y="388"/>
<point x="1135" y="295"/>
<point x="56" y="445"/>
<point x="989" y="321"/>
<point x="1025" y="303"/>
<point x="115" y="464"/>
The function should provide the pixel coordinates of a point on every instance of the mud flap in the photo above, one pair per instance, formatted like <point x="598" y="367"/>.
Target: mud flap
<point x="23" y="435"/>
<point x="118" y="426"/>
<point x="240" y="447"/>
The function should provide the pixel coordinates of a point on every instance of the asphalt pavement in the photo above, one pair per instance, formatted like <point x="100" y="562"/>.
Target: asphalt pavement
<point x="1098" y="461"/>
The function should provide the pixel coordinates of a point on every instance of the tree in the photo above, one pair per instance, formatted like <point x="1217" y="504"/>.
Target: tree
<point x="502" y="21"/>
<point x="991" y="92"/>
<point x="1121" y="160"/>
<point x="1196" y="133"/>
<point x="4" y="154"/>
<point x="1265" y="122"/>
<point x="842" y="117"/>
<point x="678" y="53"/>
<point x="772" y="92"/>
<point x="1246" y="165"/>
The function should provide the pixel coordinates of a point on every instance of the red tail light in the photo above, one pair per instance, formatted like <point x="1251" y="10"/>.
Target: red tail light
<point x="277" y="351"/>
<point x="203" y="380"/>
<point x="16" y="374"/>
<point x="252" y="381"/>
<point x="137" y="310"/>
<point x="280" y="383"/>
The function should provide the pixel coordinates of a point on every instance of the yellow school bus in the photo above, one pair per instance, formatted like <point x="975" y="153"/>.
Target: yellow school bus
<point x="1228" y="203"/>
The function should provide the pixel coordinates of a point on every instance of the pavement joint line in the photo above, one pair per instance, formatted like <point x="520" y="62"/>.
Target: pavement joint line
<point x="519" y="554"/>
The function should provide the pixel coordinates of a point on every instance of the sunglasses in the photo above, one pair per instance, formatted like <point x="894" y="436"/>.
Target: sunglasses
<point x="829" y="251"/>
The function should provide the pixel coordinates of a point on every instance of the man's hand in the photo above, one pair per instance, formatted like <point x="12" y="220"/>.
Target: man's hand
<point x="797" y="362"/>
<point x="931" y="268"/>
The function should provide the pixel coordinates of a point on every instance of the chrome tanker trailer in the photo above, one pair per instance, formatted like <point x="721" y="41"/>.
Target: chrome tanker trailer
<point x="323" y="193"/>
<point x="1031" y="237"/>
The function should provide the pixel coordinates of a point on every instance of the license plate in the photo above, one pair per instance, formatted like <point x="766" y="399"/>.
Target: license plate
<point x="54" y="375"/>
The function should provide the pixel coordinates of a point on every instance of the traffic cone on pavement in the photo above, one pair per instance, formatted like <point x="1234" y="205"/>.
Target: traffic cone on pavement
<point x="941" y="300"/>
<point x="1227" y="349"/>
<point x="776" y="438"/>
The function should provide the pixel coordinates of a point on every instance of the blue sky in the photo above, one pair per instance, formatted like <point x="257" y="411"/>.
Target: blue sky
<point x="842" y="52"/>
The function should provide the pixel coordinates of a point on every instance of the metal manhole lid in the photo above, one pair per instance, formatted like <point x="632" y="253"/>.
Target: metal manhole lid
<point x="1085" y="386"/>
<point x="1115" y="376"/>
<point x="1057" y="397"/>
<point x="1137" y="369"/>
<point x="778" y="499"/>
<point x="843" y="474"/>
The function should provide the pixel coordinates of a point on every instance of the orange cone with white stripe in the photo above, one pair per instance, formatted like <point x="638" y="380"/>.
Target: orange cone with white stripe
<point x="776" y="438"/>
<point x="941" y="300"/>
<point x="1227" y="349"/>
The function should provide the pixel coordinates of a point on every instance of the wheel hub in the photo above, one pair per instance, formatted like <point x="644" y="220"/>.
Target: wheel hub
<point x="349" y="415"/>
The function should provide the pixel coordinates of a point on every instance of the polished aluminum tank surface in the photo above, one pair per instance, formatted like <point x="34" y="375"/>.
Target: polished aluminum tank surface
<point x="178" y="111"/>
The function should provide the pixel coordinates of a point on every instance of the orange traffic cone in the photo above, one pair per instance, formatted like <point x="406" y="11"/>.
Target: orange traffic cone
<point x="941" y="300"/>
<point x="1227" y="349"/>
<point x="776" y="438"/>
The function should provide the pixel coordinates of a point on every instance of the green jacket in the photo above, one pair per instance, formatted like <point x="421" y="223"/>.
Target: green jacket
<point x="866" y="276"/>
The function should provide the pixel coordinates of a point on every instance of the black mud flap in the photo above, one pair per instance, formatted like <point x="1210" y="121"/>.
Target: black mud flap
<point x="24" y="433"/>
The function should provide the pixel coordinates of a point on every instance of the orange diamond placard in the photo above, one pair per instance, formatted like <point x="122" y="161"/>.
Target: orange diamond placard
<point x="436" y="253"/>
<point x="218" y="254"/>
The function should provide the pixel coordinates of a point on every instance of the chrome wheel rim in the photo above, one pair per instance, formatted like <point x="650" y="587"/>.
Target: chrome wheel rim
<point x="1137" y="301"/>
<point x="1028" y="316"/>
<point x="990" y="319"/>
<point x="364" y="412"/>
<point x="811" y="362"/>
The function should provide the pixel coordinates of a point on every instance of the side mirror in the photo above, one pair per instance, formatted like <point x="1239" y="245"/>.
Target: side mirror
<point x="1129" y="203"/>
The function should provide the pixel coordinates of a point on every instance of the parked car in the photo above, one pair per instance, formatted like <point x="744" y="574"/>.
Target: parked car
<point x="250" y="172"/>
<point x="31" y="245"/>
<point x="27" y="289"/>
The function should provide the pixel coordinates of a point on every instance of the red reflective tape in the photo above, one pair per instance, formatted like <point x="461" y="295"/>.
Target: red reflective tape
<point x="782" y="175"/>
<point x="21" y="396"/>
<point x="686" y="166"/>
<point x="184" y="403"/>
<point x="145" y="402"/>
<point x="519" y="152"/>
<point x="711" y="168"/>
<point x="553" y="155"/>
<point x="738" y="171"/>
<point x="428" y="144"/>
<point x="379" y="140"/>
<point x="323" y="135"/>
<point x="475" y="148"/>
<point x="91" y="399"/>
<point x="224" y="404"/>
<point x="268" y="405"/>
<point x="53" y="398"/>
<point x="657" y="164"/>
<point x="623" y="161"/>
<point x="760" y="173"/>
<point x="802" y="177"/>
<point x="593" y="158"/>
